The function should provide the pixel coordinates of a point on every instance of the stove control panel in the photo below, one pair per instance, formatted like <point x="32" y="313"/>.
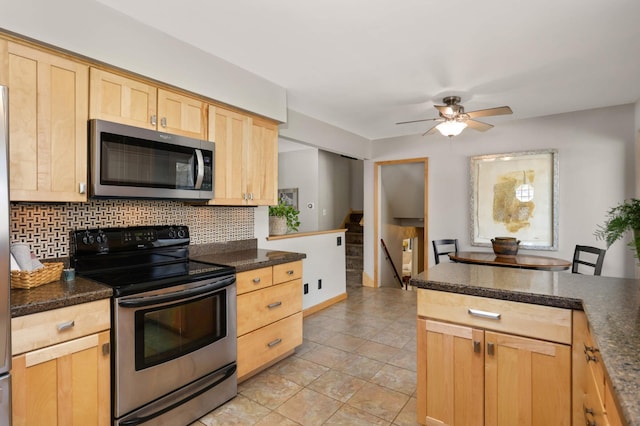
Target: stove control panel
<point x="103" y="240"/>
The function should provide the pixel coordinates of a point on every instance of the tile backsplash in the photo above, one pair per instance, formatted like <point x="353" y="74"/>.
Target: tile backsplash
<point x="46" y="227"/>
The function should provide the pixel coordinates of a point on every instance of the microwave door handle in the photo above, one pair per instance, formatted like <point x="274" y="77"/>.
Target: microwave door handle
<point x="199" y="169"/>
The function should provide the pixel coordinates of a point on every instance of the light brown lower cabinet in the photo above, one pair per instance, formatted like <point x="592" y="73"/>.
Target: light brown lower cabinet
<point x="472" y="377"/>
<point x="64" y="384"/>
<point x="269" y="315"/>
<point x="593" y="398"/>
<point x="63" y="378"/>
<point x="471" y="374"/>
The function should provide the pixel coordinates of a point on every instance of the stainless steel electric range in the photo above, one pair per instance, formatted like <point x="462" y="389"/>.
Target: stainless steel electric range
<point x="173" y="323"/>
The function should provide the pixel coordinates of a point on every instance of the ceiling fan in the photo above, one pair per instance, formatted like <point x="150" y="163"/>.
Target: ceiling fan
<point x="453" y="119"/>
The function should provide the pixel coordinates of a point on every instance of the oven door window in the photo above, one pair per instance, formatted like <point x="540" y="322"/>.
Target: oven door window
<point x="171" y="331"/>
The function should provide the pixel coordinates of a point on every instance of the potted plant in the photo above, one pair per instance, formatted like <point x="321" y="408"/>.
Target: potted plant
<point x="620" y="219"/>
<point x="283" y="218"/>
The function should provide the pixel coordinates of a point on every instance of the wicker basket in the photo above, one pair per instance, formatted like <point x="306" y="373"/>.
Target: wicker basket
<point x="50" y="272"/>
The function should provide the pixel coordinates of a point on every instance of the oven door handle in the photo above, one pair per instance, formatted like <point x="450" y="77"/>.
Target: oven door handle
<point x="137" y="302"/>
<point x="229" y="371"/>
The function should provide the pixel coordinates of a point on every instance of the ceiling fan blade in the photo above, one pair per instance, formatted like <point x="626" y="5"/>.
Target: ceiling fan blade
<point x="478" y="125"/>
<point x="430" y="131"/>
<point x="418" y="121"/>
<point x="503" y="110"/>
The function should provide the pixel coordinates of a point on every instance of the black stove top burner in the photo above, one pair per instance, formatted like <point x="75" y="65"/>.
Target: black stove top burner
<point x="132" y="260"/>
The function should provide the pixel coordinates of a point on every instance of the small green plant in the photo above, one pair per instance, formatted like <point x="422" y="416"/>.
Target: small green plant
<point x="620" y="219"/>
<point x="288" y="212"/>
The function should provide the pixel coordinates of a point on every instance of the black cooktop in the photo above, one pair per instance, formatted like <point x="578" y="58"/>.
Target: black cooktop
<point x="137" y="259"/>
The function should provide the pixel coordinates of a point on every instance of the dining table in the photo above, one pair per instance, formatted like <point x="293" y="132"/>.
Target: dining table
<point x="523" y="261"/>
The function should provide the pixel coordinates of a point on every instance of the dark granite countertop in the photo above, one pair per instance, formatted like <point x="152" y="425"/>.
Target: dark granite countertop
<point x="612" y="306"/>
<point x="243" y="255"/>
<point x="57" y="294"/>
<point x="253" y="258"/>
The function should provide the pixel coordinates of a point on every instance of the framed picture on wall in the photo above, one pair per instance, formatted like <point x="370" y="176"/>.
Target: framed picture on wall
<point x="515" y="195"/>
<point x="289" y="196"/>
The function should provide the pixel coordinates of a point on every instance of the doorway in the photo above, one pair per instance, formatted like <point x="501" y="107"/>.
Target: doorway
<point x="400" y="213"/>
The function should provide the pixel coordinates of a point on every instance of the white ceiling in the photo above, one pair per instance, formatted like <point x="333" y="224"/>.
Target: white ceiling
<point x="363" y="65"/>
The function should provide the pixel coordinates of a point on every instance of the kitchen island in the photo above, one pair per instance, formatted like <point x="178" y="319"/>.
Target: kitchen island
<point x="611" y="305"/>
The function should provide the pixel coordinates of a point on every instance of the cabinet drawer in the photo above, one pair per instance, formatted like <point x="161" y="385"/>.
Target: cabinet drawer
<point x="287" y="272"/>
<point x="43" y="329"/>
<point x="259" y="308"/>
<point x="540" y="322"/>
<point x="268" y="343"/>
<point x="254" y="279"/>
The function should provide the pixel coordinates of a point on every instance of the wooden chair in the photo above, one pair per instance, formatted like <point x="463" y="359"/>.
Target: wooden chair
<point x="450" y="246"/>
<point x="589" y="256"/>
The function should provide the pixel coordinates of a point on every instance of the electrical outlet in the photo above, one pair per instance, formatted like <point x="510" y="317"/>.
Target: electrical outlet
<point x="306" y="288"/>
<point x="339" y="241"/>
<point x="319" y="284"/>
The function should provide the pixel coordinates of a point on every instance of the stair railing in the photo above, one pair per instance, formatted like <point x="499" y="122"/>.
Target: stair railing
<point x="395" y="271"/>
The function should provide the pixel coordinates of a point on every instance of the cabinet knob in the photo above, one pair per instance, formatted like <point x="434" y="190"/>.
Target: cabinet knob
<point x="290" y="272"/>
<point x="154" y="120"/>
<point x="256" y="280"/>
<point x="82" y="188"/>
<point x="591" y="357"/>
<point x="590" y="348"/>
<point x="163" y="121"/>
<point x="490" y="348"/>
<point x="476" y="346"/>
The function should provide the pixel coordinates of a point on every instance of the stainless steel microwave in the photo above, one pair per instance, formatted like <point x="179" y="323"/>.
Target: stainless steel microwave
<point x="131" y="162"/>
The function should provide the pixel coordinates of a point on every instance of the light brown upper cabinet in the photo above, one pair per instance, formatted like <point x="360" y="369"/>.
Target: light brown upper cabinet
<point x="246" y="158"/>
<point x="48" y="97"/>
<point x="124" y="100"/>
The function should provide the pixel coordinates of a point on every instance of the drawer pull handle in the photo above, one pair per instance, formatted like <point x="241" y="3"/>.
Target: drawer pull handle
<point x="256" y="280"/>
<point x="275" y="342"/>
<point x="483" y="314"/>
<point x="476" y="346"/>
<point x="290" y="272"/>
<point x="274" y="304"/>
<point x="65" y="325"/>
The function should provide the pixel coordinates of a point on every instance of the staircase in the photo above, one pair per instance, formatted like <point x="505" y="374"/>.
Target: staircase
<point x="353" y="249"/>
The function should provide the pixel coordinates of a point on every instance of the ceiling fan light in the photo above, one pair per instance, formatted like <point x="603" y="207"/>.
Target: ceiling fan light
<point x="451" y="127"/>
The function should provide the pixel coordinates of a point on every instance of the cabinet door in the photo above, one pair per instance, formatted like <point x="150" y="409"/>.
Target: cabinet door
<point x="122" y="100"/>
<point x="261" y="163"/>
<point x="48" y="98"/>
<point x="450" y="374"/>
<point x="230" y="132"/>
<point x="181" y="115"/>
<point x="528" y="381"/>
<point x="64" y="384"/>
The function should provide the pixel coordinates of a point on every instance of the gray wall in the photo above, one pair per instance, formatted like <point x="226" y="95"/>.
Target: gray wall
<point x="299" y="169"/>
<point x="324" y="181"/>
<point x="597" y="170"/>
<point x="334" y="185"/>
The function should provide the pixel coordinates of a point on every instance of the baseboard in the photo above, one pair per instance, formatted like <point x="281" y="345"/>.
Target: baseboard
<point x="320" y="306"/>
<point x="367" y="281"/>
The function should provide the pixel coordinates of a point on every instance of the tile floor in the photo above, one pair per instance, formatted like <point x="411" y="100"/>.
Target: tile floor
<point x="357" y="366"/>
